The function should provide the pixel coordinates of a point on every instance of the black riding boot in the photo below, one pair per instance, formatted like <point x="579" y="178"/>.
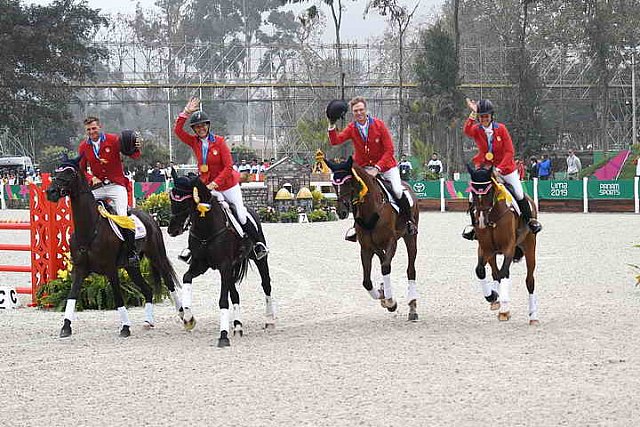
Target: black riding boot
<point x="525" y="212"/>
<point x="405" y="214"/>
<point x="130" y="245"/>
<point x="469" y="232"/>
<point x="259" y="248"/>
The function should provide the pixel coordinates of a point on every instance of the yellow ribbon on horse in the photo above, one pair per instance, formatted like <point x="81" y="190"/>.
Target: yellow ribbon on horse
<point x="501" y="192"/>
<point x="121" y="221"/>
<point x="364" y="190"/>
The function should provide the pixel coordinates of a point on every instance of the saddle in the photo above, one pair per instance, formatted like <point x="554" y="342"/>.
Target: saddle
<point x="387" y="189"/>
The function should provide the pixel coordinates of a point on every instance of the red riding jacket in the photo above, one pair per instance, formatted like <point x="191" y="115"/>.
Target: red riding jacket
<point x="375" y="150"/>
<point x="502" y="146"/>
<point x="219" y="161"/>
<point x="107" y="164"/>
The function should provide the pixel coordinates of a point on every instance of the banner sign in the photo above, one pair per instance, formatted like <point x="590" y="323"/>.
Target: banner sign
<point x="610" y="189"/>
<point x="560" y="190"/>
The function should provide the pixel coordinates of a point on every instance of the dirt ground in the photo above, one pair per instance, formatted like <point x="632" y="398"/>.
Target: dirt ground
<point x="337" y="357"/>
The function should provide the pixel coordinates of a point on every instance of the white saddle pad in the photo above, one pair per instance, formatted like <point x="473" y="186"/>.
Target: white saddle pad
<point x="141" y="231"/>
<point x="392" y="199"/>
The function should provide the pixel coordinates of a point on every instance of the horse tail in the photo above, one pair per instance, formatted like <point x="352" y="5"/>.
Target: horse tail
<point x="155" y="250"/>
<point x="240" y="270"/>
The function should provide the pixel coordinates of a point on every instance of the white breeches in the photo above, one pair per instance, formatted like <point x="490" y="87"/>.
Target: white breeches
<point x="513" y="179"/>
<point x="115" y="192"/>
<point x="393" y="176"/>
<point x="233" y="196"/>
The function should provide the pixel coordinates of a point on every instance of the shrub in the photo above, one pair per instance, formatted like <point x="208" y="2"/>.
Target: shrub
<point x="318" y="215"/>
<point x="95" y="292"/>
<point x="268" y="214"/>
<point x="289" y="216"/>
<point x="159" y="206"/>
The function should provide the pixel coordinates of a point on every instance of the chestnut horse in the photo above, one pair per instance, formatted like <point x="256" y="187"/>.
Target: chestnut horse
<point x="500" y="230"/>
<point x="378" y="228"/>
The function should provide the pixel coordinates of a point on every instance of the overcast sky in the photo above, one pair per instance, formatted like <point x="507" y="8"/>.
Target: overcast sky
<point x="354" y="27"/>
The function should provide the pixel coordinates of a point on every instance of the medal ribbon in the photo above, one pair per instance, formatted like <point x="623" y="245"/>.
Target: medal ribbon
<point x="364" y="130"/>
<point x="205" y="147"/>
<point x="96" y="147"/>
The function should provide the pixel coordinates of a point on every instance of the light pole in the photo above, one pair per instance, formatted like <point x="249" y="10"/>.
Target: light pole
<point x="633" y="98"/>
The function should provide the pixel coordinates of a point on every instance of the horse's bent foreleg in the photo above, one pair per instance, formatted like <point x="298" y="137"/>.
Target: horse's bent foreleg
<point x="365" y="257"/>
<point x="70" y="309"/>
<point x="265" y="281"/>
<point x="186" y="314"/>
<point x="488" y="286"/>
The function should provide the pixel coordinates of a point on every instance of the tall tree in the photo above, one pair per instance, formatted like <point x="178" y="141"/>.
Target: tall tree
<point x="400" y="17"/>
<point x="43" y="48"/>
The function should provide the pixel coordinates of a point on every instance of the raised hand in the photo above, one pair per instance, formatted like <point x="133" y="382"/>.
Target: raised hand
<point x="473" y="106"/>
<point x="193" y="105"/>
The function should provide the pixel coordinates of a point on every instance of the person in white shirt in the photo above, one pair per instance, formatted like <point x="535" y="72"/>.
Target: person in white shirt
<point x="405" y="168"/>
<point x="435" y="165"/>
<point x="573" y="166"/>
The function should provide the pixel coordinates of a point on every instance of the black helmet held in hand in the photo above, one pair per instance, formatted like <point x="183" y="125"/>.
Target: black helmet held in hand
<point x="198" y="118"/>
<point x="336" y="110"/>
<point x="128" y="139"/>
<point x="485" y="107"/>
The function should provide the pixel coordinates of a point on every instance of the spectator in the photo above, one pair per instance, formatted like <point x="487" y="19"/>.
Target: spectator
<point x="244" y="167"/>
<point x="405" y="168"/>
<point x="544" y="168"/>
<point x="522" y="173"/>
<point x="157" y="174"/>
<point x="533" y="168"/>
<point x="435" y="165"/>
<point x="254" y="168"/>
<point x="573" y="166"/>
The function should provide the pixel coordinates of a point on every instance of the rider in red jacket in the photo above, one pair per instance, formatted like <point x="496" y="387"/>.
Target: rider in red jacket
<point x="495" y="148"/>
<point x="100" y="152"/>
<point x="373" y="150"/>
<point x="215" y="166"/>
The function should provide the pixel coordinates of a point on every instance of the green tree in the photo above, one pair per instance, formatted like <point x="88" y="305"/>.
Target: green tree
<point x="43" y="48"/>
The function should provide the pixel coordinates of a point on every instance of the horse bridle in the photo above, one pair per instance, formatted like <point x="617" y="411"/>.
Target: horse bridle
<point x="188" y="222"/>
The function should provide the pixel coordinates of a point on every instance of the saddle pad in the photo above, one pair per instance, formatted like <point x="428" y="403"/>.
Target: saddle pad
<point x="141" y="231"/>
<point x="391" y="198"/>
<point x="232" y="218"/>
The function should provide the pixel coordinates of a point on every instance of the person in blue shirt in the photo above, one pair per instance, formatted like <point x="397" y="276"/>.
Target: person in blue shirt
<point x="544" y="168"/>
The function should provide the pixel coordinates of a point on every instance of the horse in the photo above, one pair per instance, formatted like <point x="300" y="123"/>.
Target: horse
<point x="95" y="248"/>
<point x="378" y="229"/>
<point x="215" y="244"/>
<point x="500" y="230"/>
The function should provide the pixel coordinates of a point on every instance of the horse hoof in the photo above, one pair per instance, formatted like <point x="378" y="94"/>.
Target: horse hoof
<point x="237" y="328"/>
<point x="269" y="326"/>
<point x="495" y="305"/>
<point x="413" y="317"/>
<point x="125" y="332"/>
<point x="148" y="325"/>
<point x="223" y="341"/>
<point x="65" y="332"/>
<point x="392" y="308"/>
<point x="503" y="317"/>
<point x="189" y="324"/>
<point x="534" y="322"/>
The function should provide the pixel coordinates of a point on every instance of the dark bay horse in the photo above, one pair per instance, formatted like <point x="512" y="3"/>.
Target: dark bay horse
<point x="378" y="228"/>
<point x="500" y="230"/>
<point x="215" y="244"/>
<point x="95" y="248"/>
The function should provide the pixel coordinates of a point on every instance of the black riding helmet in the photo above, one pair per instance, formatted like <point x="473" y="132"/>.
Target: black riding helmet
<point x="485" y="107"/>
<point x="198" y="118"/>
<point x="336" y="109"/>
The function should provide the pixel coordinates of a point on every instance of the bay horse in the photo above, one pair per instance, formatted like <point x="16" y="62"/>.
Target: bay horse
<point x="215" y="244"/>
<point x="95" y="248"/>
<point x="500" y="230"/>
<point x="378" y="229"/>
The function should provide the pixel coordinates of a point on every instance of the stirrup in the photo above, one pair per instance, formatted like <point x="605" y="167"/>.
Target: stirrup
<point x="351" y="235"/>
<point x="185" y="256"/>
<point x="469" y="233"/>
<point x="260" y="250"/>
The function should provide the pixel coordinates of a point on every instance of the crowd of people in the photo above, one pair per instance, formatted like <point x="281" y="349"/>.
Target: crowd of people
<point x="544" y="170"/>
<point x="21" y="177"/>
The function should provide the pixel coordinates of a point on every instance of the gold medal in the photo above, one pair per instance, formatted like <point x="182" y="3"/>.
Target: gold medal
<point x="489" y="156"/>
<point x="204" y="168"/>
